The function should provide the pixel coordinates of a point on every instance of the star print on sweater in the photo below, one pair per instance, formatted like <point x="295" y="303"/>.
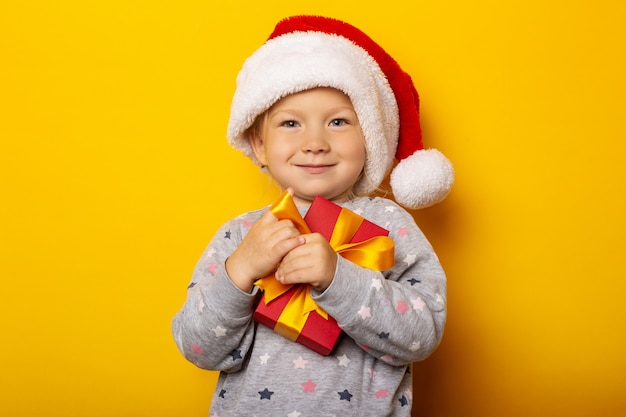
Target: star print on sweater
<point x="345" y="395"/>
<point x="266" y="394"/>
<point x="236" y="354"/>
<point x="300" y="363"/>
<point x="343" y="360"/>
<point x="365" y="312"/>
<point x="402" y="307"/>
<point x="387" y="358"/>
<point x="308" y="386"/>
<point x="264" y="358"/>
<point x="219" y="331"/>
<point x="382" y="393"/>
<point x="418" y="304"/>
<point x="439" y="298"/>
<point x="409" y="259"/>
<point x="377" y="283"/>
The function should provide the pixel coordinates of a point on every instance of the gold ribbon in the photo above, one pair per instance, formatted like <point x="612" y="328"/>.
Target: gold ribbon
<point x="376" y="253"/>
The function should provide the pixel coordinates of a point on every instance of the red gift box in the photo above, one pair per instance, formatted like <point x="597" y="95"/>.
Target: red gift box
<point x="319" y="331"/>
<point x="318" y="334"/>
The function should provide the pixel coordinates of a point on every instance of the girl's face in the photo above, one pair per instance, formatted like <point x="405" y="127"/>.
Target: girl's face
<point x="312" y="141"/>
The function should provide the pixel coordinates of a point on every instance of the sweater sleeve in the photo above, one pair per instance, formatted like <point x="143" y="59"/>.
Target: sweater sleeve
<point x="214" y="328"/>
<point x="398" y="315"/>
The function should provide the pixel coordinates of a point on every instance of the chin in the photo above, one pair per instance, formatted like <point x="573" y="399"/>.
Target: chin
<point x="330" y="195"/>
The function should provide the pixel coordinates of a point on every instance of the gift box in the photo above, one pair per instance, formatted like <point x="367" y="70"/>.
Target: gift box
<point x="289" y="309"/>
<point x="318" y="333"/>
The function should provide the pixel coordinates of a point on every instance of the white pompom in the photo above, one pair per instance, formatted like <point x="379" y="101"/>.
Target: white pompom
<point x="423" y="179"/>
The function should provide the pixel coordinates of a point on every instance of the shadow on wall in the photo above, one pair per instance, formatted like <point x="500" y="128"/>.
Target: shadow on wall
<point x="436" y="379"/>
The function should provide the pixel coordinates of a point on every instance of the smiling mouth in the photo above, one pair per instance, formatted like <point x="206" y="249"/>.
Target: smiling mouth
<point x="315" y="169"/>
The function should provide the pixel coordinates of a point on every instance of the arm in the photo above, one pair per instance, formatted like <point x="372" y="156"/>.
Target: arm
<point x="214" y="329"/>
<point x="214" y="326"/>
<point x="399" y="315"/>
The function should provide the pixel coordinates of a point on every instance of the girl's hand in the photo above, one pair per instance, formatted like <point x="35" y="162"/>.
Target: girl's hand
<point x="313" y="263"/>
<point x="261" y="250"/>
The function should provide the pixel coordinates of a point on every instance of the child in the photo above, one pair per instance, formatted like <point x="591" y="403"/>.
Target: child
<point x="324" y="110"/>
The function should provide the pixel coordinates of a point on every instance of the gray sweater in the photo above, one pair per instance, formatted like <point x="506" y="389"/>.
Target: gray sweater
<point x="389" y="320"/>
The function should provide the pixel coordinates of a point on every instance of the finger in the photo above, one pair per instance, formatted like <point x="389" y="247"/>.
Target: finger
<point x="285" y="246"/>
<point x="290" y="274"/>
<point x="298" y="259"/>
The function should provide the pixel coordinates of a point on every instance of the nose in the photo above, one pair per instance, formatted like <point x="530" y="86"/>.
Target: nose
<point x="315" y="142"/>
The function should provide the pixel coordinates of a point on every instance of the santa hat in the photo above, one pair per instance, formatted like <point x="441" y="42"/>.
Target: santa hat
<point x="305" y="52"/>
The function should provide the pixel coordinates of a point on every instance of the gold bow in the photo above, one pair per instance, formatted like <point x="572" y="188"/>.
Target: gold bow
<point x="376" y="253"/>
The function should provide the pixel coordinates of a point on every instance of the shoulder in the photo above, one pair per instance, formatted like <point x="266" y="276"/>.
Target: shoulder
<point x="378" y="208"/>
<point x="241" y="223"/>
<point x="248" y="216"/>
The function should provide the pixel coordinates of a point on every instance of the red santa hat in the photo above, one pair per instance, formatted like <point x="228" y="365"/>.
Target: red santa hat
<point x="305" y="52"/>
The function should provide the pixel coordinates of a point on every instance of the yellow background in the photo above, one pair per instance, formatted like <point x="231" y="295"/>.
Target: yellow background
<point x="115" y="173"/>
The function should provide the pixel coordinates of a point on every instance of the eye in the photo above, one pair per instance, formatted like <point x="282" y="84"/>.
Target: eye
<point x="338" y="122"/>
<point x="289" y="123"/>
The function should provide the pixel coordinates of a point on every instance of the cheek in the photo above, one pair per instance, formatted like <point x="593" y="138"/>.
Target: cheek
<point x="279" y="151"/>
<point x="359" y="154"/>
<point x="274" y="157"/>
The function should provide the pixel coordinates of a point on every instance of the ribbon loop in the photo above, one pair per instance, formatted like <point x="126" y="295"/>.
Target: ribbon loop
<point x="285" y="209"/>
<point x="376" y="253"/>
